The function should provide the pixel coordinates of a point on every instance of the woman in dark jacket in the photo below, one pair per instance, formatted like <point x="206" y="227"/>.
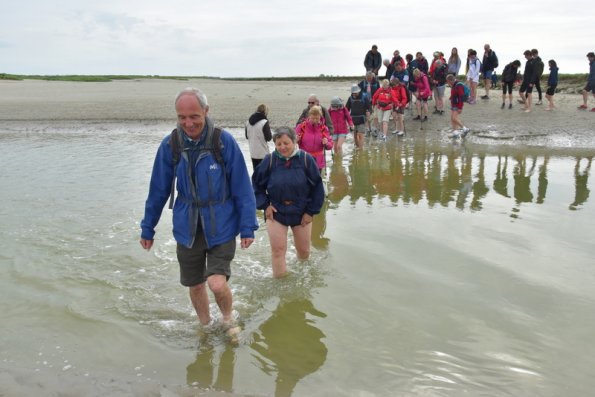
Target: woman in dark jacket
<point x="508" y="78"/>
<point x="288" y="187"/>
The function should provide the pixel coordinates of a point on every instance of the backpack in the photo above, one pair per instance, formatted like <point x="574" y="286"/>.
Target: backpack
<point x="495" y="60"/>
<point x="176" y="143"/>
<point x="466" y="89"/>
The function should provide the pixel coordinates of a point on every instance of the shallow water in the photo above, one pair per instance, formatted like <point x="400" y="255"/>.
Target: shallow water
<point x="438" y="269"/>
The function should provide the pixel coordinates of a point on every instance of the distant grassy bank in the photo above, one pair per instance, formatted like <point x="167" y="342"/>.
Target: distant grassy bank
<point x="565" y="80"/>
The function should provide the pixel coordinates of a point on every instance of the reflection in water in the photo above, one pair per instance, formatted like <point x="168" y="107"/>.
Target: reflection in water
<point x="318" y="239"/>
<point x="290" y="345"/>
<point x="202" y="371"/>
<point x="415" y="173"/>
<point x="580" y="183"/>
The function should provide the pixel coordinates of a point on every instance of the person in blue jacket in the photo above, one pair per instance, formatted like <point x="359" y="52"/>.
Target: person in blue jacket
<point x="288" y="187"/>
<point x="215" y="203"/>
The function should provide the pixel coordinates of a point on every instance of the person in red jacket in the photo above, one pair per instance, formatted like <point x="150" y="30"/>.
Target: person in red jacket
<point x="457" y="94"/>
<point x="399" y="92"/>
<point x="383" y="102"/>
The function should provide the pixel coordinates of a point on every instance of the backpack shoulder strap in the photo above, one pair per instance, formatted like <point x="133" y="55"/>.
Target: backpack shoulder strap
<point x="216" y="145"/>
<point x="176" y="145"/>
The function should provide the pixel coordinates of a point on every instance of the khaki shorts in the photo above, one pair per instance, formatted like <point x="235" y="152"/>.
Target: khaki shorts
<point x="383" y="115"/>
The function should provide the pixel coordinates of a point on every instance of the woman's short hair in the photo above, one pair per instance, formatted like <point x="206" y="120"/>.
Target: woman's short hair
<point x="315" y="110"/>
<point x="287" y="131"/>
<point x="385" y="83"/>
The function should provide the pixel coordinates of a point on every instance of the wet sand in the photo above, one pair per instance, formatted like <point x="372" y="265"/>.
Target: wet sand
<point x="232" y="102"/>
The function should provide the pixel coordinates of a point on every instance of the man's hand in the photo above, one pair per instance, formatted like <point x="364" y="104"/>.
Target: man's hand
<point x="146" y="244"/>
<point x="246" y="242"/>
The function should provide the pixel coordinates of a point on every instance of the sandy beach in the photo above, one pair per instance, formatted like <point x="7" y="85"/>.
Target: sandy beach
<point x="232" y="102"/>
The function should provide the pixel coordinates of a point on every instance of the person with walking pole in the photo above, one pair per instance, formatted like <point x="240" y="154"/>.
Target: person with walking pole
<point x="313" y="136"/>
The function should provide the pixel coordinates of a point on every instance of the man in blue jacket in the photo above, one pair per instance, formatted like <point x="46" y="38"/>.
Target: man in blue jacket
<point x="215" y="203"/>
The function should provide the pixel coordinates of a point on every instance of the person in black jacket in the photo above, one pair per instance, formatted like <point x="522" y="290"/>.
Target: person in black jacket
<point x="539" y="66"/>
<point x="373" y="60"/>
<point x="528" y="82"/>
<point x="508" y="78"/>
<point x="489" y="63"/>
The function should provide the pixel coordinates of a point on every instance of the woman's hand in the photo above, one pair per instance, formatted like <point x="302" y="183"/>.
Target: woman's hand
<point x="268" y="213"/>
<point x="306" y="219"/>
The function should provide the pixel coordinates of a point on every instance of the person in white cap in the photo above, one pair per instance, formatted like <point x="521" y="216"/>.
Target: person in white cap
<point x="359" y="106"/>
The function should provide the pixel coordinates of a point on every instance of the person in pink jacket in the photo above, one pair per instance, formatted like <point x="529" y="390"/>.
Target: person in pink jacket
<point x="313" y="136"/>
<point x="341" y="120"/>
<point x="421" y="83"/>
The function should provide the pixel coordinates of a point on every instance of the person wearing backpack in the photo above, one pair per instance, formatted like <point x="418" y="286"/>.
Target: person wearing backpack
<point x="359" y="106"/>
<point x="288" y="187"/>
<point x="215" y="203"/>
<point x="508" y="78"/>
<point x="488" y="65"/>
<point x="457" y="100"/>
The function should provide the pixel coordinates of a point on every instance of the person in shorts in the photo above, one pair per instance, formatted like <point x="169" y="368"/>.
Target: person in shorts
<point x="488" y="64"/>
<point x="590" y="87"/>
<point x="359" y="106"/>
<point x="341" y="122"/>
<point x="552" y="83"/>
<point x="217" y="183"/>
<point x="528" y="81"/>
<point x="383" y="102"/>
<point x="457" y="93"/>
<point x="288" y="187"/>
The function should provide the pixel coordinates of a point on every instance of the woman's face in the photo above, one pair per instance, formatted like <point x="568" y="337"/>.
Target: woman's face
<point x="454" y="51"/>
<point x="314" y="118"/>
<point x="284" y="145"/>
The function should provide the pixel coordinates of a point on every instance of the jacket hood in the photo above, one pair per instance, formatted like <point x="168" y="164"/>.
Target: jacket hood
<point x="256" y="117"/>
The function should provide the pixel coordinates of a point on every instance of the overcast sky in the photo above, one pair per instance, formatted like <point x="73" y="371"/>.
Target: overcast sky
<point x="243" y="38"/>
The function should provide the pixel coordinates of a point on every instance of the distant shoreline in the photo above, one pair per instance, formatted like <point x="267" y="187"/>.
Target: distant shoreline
<point x="566" y="81"/>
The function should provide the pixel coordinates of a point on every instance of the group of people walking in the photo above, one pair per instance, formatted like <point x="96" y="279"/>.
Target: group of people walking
<point x="217" y="199"/>
<point x="426" y="80"/>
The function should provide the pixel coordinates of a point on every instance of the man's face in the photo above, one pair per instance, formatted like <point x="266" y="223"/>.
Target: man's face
<point x="312" y="101"/>
<point x="191" y="116"/>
